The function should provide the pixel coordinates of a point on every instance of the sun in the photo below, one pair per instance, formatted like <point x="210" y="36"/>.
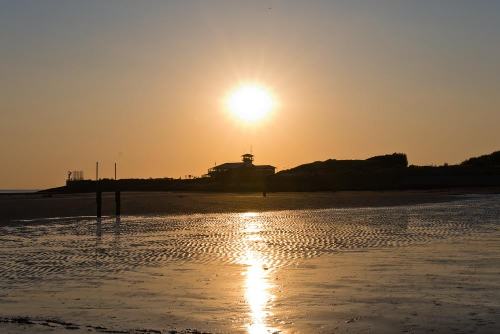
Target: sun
<point x="250" y="102"/>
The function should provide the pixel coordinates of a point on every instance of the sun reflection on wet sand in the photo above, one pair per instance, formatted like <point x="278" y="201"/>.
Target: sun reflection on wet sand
<point x="257" y="283"/>
<point x="299" y="272"/>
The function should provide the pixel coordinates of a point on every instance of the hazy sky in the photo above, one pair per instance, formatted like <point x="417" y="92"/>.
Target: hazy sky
<point x="142" y="83"/>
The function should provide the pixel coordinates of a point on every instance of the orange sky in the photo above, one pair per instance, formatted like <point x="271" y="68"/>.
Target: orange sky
<point x="142" y="84"/>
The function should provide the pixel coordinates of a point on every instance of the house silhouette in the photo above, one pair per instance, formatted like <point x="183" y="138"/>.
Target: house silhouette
<point x="244" y="170"/>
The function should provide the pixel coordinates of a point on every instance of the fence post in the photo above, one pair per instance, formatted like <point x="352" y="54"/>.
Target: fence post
<point x="117" y="200"/>
<point x="99" y="202"/>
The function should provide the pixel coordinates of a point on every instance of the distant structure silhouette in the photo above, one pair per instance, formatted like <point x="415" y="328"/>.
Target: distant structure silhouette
<point x="76" y="175"/>
<point x="241" y="170"/>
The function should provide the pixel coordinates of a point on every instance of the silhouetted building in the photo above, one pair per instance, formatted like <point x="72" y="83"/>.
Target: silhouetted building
<point x="241" y="170"/>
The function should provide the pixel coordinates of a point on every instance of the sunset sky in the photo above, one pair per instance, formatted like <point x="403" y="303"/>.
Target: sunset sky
<point x="145" y="84"/>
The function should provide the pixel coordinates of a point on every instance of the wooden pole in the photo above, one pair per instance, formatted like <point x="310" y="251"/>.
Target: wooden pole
<point x="98" y="194"/>
<point x="117" y="201"/>
<point x="117" y="195"/>
<point x="99" y="202"/>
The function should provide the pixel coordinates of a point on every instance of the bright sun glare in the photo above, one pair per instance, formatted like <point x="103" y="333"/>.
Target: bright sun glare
<point x="250" y="102"/>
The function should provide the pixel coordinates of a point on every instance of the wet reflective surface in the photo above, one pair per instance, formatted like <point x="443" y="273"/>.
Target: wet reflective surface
<point x="239" y="269"/>
<point x="257" y="284"/>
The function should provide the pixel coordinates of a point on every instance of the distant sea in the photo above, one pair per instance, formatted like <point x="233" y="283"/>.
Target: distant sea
<point x="17" y="191"/>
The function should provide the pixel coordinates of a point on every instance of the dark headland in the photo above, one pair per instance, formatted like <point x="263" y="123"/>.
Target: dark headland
<point x="378" y="181"/>
<point x="386" y="172"/>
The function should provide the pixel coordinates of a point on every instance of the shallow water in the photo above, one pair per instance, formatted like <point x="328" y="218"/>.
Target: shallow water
<point x="252" y="272"/>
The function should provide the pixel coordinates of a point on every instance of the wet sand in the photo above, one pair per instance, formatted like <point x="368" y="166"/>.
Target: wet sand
<point x="421" y="268"/>
<point x="31" y="206"/>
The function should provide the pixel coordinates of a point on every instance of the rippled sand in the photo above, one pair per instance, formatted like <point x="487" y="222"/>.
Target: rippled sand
<point x="415" y="268"/>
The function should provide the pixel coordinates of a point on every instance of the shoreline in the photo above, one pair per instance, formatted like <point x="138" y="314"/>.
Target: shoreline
<point x="38" y="206"/>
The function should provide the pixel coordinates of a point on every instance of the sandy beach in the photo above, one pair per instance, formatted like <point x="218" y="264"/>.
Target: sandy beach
<point x="32" y="206"/>
<point x="249" y="167"/>
<point x="415" y="266"/>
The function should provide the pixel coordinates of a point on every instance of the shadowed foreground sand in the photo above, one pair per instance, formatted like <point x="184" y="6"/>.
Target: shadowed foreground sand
<point x="32" y="206"/>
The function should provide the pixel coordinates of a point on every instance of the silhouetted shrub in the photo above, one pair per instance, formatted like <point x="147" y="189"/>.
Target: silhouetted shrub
<point x="492" y="159"/>
<point x="395" y="160"/>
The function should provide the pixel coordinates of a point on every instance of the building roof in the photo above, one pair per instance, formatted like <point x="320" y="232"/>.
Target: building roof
<point x="232" y="165"/>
